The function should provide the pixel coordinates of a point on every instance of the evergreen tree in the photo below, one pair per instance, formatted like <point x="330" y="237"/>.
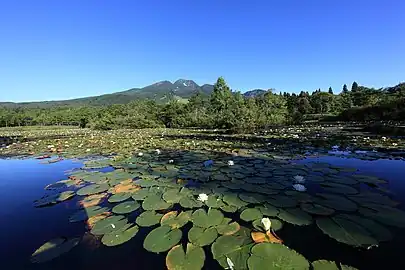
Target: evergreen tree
<point x="345" y="90"/>
<point x="330" y="91"/>
<point x="355" y="87"/>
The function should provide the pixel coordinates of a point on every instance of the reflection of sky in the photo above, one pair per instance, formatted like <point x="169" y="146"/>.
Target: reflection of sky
<point x="391" y="170"/>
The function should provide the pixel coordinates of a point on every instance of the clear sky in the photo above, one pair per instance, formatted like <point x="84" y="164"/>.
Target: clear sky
<point x="65" y="49"/>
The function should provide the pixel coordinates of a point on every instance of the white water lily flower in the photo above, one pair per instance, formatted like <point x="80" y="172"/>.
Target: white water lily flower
<point x="157" y="151"/>
<point x="394" y="144"/>
<point x="335" y="147"/>
<point x="299" y="179"/>
<point x="299" y="187"/>
<point x="230" y="264"/>
<point x="266" y="223"/>
<point x="113" y="226"/>
<point x="384" y="138"/>
<point x="231" y="163"/>
<point x="171" y="161"/>
<point x="140" y="154"/>
<point x="202" y="197"/>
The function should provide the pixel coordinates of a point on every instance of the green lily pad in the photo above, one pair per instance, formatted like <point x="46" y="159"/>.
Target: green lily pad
<point x="155" y="202"/>
<point x="148" y="218"/>
<point x="53" y="249"/>
<point x="282" y="201"/>
<point x="235" y="247"/>
<point x="202" y="236"/>
<point x="192" y="259"/>
<point x="92" y="189"/>
<point x="369" y="179"/>
<point x="252" y="197"/>
<point x="190" y="202"/>
<point x="384" y="214"/>
<point x="200" y="218"/>
<point x="365" y="197"/>
<point x="141" y="194"/>
<point x="227" y="227"/>
<point x="233" y="199"/>
<point x="317" y="209"/>
<point x="146" y="182"/>
<point x="162" y="239"/>
<point x="295" y="216"/>
<point x="276" y="224"/>
<point x="378" y="231"/>
<point x="338" y="188"/>
<point x="119" y="197"/>
<point x="229" y="208"/>
<point x="175" y="220"/>
<point x="120" y="236"/>
<point x="336" y="202"/>
<point x="346" y="231"/>
<point x="109" y="225"/>
<point x="214" y="201"/>
<point x="126" y="207"/>
<point x="54" y="198"/>
<point x="275" y="256"/>
<point x="250" y="214"/>
<point x="87" y="213"/>
<point x="324" y="265"/>
<point x="346" y="267"/>
<point x="172" y="196"/>
<point x="268" y="210"/>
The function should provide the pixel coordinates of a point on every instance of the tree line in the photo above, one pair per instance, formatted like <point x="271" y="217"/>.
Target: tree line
<point x="224" y="109"/>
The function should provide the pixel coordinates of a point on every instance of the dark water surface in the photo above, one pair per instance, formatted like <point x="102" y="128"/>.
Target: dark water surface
<point x="24" y="228"/>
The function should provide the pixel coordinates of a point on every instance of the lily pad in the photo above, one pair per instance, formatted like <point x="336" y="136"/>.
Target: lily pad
<point x="109" y="225"/>
<point x="176" y="220"/>
<point x="324" y="265"/>
<point x="190" y="202"/>
<point x="192" y="259"/>
<point x="162" y="239"/>
<point x="235" y="247"/>
<point x="54" y="199"/>
<point x="119" y="197"/>
<point x="141" y="194"/>
<point x="384" y="214"/>
<point x="214" y="201"/>
<point x="336" y="202"/>
<point x="203" y="219"/>
<point x="148" y="218"/>
<point x="87" y="213"/>
<point x="250" y="214"/>
<point x="227" y="227"/>
<point x="295" y="216"/>
<point x="120" y="236"/>
<point x="233" y="199"/>
<point x="155" y="202"/>
<point x="126" y="207"/>
<point x="92" y="189"/>
<point x="317" y="209"/>
<point x="172" y="196"/>
<point x="53" y="249"/>
<point x="346" y="231"/>
<point x="282" y="201"/>
<point x="229" y="208"/>
<point x="276" y="224"/>
<point x="338" y="188"/>
<point x="268" y="210"/>
<point x="202" y="236"/>
<point x="252" y="197"/>
<point x="275" y="256"/>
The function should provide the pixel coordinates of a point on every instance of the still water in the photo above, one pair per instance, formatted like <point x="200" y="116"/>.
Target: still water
<point x="24" y="228"/>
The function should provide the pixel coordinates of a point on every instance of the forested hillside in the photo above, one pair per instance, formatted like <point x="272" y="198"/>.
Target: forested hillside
<point x="220" y="108"/>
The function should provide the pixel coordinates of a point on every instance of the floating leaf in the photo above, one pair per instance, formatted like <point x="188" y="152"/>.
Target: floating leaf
<point x="54" y="199"/>
<point x="148" y="218"/>
<point x="109" y="225"/>
<point x="227" y="227"/>
<point x="214" y="201"/>
<point x="250" y="214"/>
<point x="251" y="197"/>
<point x="119" y="197"/>
<point x="282" y="201"/>
<point x="317" y="209"/>
<point x="162" y="239"/>
<point x="336" y="202"/>
<point x="155" y="202"/>
<point x="120" y="236"/>
<point x="141" y="194"/>
<point x="295" y="216"/>
<point x="324" y="265"/>
<point x="202" y="236"/>
<point x="275" y="256"/>
<point x="53" y="249"/>
<point x="268" y="237"/>
<point x="276" y="224"/>
<point x="92" y="200"/>
<point x="192" y="259"/>
<point x="229" y="208"/>
<point x="172" y="196"/>
<point x="346" y="231"/>
<point x="126" y="207"/>
<point x="175" y="220"/>
<point x="92" y="189"/>
<point x="201" y="219"/>
<point x="233" y="199"/>
<point x="87" y="213"/>
<point x="190" y="202"/>
<point x="384" y="214"/>
<point x="268" y="210"/>
<point x="338" y="188"/>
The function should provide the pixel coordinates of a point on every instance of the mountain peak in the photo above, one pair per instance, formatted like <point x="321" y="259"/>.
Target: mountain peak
<point x="185" y="83"/>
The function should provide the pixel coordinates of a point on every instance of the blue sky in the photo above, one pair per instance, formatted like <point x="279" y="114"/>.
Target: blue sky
<point x="65" y="49"/>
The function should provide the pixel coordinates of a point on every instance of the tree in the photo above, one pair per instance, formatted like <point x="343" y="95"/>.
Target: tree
<point x="355" y="87"/>
<point x="330" y="91"/>
<point x="220" y="101"/>
<point x="345" y="90"/>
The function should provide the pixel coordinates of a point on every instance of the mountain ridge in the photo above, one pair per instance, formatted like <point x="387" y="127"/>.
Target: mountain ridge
<point x="161" y="92"/>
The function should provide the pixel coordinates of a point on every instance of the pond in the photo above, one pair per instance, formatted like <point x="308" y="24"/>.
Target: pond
<point x="245" y="190"/>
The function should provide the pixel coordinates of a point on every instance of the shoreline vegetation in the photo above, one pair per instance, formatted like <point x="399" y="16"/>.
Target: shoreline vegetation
<point x="225" y="109"/>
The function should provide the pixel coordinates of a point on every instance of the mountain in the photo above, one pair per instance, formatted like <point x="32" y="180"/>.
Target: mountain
<point x="254" y="93"/>
<point x="161" y="92"/>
